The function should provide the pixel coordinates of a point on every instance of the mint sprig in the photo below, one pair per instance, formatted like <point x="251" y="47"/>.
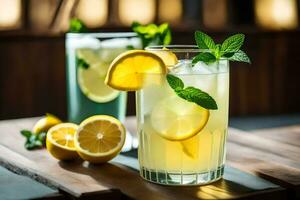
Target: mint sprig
<point x="34" y="141"/>
<point x="153" y="34"/>
<point x="191" y="94"/>
<point x="229" y="49"/>
<point x="77" y="26"/>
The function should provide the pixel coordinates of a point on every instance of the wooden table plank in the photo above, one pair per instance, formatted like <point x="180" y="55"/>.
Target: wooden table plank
<point x="277" y="160"/>
<point x="288" y="135"/>
<point x="118" y="177"/>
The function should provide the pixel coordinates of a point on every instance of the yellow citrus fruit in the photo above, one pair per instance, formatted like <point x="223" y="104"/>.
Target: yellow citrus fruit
<point x="60" y="141"/>
<point x="128" y="71"/>
<point x="99" y="138"/>
<point x="45" y="123"/>
<point x="167" y="56"/>
<point x="91" y="83"/>
<point x="177" y="119"/>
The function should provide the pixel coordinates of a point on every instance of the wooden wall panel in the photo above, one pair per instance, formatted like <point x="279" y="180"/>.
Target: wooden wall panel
<point x="32" y="75"/>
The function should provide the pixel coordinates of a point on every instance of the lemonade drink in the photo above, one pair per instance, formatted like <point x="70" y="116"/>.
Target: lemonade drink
<point x="88" y="56"/>
<point x="179" y="141"/>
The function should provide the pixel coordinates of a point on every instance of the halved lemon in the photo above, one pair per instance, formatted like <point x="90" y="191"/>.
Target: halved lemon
<point x="99" y="138"/>
<point x="91" y="83"/>
<point x="60" y="141"/>
<point x="45" y="123"/>
<point x="167" y="56"/>
<point x="177" y="119"/>
<point x="128" y="71"/>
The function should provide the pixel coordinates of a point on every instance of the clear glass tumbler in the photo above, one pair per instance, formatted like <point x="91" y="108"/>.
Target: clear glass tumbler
<point x="88" y="56"/>
<point x="181" y="143"/>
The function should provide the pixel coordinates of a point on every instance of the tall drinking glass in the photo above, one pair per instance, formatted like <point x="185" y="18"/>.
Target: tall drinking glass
<point x="181" y="143"/>
<point x="88" y="56"/>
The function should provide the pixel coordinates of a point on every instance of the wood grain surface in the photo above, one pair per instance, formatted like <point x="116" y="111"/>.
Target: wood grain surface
<point x="120" y="179"/>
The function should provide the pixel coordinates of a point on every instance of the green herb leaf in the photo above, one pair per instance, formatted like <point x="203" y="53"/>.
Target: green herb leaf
<point x="205" y="57"/>
<point x="33" y="141"/>
<point x="233" y="43"/>
<point x="191" y="94"/>
<point x="199" y="97"/>
<point x="26" y="133"/>
<point x="77" y="26"/>
<point x="82" y="63"/>
<point x="165" y="34"/>
<point x="152" y="34"/>
<point x="240" y="56"/>
<point x="130" y="47"/>
<point x="204" y="41"/>
<point x="175" y="82"/>
<point x="228" y="55"/>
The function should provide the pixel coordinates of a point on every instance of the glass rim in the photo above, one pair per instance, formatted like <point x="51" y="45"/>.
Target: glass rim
<point x="176" y="48"/>
<point x="102" y="34"/>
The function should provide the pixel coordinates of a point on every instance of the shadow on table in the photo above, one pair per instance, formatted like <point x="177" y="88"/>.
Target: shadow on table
<point x="122" y="174"/>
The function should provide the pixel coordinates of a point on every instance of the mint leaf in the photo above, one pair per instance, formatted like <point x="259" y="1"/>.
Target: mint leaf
<point x="233" y="43"/>
<point x="228" y="55"/>
<point x="175" y="82"/>
<point x="205" y="57"/>
<point x="165" y="33"/>
<point x="152" y="34"/>
<point x="130" y="47"/>
<point x="33" y="141"/>
<point x="82" y="63"/>
<point x="199" y="97"/>
<point x="240" y="56"/>
<point x="204" y="41"/>
<point x="191" y="94"/>
<point x="77" y="26"/>
<point x="26" y="133"/>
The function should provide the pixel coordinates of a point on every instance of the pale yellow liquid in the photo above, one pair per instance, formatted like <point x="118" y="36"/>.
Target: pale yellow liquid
<point x="202" y="153"/>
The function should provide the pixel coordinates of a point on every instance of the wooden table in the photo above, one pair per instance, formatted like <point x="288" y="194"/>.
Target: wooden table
<point x="263" y="164"/>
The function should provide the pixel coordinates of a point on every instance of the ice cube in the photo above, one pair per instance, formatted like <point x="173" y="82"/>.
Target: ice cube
<point x="183" y="67"/>
<point x="84" y="41"/>
<point x="202" y="68"/>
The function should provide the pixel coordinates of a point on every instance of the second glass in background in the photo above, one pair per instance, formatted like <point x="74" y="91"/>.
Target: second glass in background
<point x="88" y="56"/>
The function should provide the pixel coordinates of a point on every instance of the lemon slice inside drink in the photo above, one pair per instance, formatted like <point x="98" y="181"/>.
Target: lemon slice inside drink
<point x="128" y="71"/>
<point x="60" y="141"/>
<point x="92" y="85"/>
<point x="99" y="138"/>
<point x="176" y="119"/>
<point x="91" y="80"/>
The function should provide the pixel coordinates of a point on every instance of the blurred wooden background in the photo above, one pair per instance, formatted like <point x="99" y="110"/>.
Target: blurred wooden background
<point x="32" y="53"/>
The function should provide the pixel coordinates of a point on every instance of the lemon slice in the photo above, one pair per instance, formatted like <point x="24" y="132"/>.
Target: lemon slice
<point x="91" y="83"/>
<point x="99" y="138"/>
<point x="128" y="71"/>
<point x="60" y="141"/>
<point x="167" y="56"/>
<point x="177" y="119"/>
<point x="45" y="123"/>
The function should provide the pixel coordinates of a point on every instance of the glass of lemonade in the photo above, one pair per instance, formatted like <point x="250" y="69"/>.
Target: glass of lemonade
<point x="181" y="143"/>
<point x="88" y="56"/>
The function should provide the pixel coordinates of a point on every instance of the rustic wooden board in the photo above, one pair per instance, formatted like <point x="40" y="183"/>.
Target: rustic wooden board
<point x="273" y="154"/>
<point x="120" y="177"/>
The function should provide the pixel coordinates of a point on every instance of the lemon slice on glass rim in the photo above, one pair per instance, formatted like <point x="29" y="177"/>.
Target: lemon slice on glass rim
<point x="128" y="72"/>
